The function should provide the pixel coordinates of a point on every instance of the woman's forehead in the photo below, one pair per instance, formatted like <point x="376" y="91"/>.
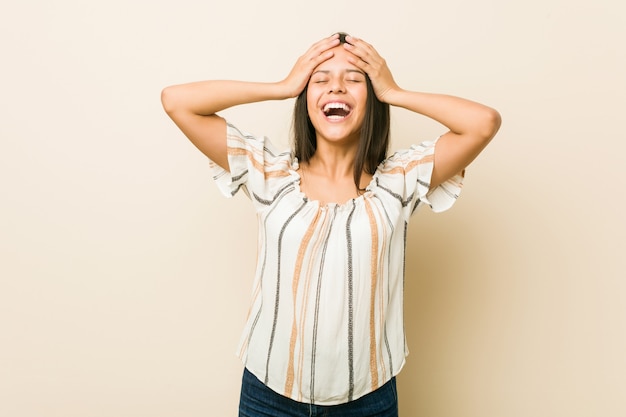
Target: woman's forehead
<point x="339" y="62"/>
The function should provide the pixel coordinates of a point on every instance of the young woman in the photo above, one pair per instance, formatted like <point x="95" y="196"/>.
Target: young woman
<point x="325" y="332"/>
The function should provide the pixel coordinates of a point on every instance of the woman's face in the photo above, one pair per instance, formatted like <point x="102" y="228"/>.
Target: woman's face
<point x="336" y="98"/>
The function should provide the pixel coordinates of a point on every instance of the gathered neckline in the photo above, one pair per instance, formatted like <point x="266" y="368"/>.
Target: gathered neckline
<point x="294" y="171"/>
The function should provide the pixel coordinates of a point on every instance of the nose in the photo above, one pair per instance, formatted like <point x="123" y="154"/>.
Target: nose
<point x="336" y="85"/>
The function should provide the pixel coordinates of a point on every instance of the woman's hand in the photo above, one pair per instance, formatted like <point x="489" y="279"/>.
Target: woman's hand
<point x="300" y="74"/>
<point x="367" y="59"/>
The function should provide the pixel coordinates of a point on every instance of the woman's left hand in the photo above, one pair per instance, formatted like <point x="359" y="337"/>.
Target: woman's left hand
<point x="367" y="58"/>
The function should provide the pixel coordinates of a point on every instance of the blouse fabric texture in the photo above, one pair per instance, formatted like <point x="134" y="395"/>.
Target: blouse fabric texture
<point x="325" y="324"/>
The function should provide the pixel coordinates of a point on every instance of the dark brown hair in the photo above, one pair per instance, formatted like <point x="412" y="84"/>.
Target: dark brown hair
<point x="374" y="139"/>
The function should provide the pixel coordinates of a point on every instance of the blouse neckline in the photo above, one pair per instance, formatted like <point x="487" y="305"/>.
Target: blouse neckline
<point x="295" y="174"/>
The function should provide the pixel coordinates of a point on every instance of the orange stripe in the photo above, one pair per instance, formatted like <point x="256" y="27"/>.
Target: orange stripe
<point x="381" y="290"/>
<point x="294" y="327"/>
<point x="283" y="172"/>
<point x="274" y="174"/>
<point x="303" y="312"/>
<point x="249" y="154"/>
<point x="424" y="160"/>
<point x="374" y="282"/>
<point x="410" y="165"/>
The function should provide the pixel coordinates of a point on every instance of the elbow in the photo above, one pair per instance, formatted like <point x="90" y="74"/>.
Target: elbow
<point x="491" y="122"/>
<point x="168" y="100"/>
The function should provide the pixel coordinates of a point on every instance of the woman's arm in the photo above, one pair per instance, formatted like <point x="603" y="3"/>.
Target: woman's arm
<point x="194" y="106"/>
<point x="471" y="125"/>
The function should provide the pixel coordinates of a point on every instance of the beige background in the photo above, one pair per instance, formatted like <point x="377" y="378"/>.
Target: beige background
<point x="124" y="275"/>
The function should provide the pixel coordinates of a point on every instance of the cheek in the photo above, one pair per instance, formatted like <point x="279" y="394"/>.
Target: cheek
<point x="361" y="94"/>
<point x="311" y="101"/>
<point x="312" y="91"/>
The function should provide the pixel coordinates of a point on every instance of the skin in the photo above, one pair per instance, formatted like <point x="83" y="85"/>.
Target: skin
<point x="331" y="70"/>
<point x="337" y="81"/>
<point x="328" y="175"/>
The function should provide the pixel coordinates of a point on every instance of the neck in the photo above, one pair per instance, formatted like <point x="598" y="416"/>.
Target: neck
<point x="333" y="161"/>
<point x="331" y="167"/>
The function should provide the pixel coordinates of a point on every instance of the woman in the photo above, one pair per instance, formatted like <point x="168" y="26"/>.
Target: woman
<point x="325" y="332"/>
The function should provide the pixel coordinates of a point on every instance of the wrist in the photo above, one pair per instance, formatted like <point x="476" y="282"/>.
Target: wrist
<point x="393" y="96"/>
<point x="285" y="90"/>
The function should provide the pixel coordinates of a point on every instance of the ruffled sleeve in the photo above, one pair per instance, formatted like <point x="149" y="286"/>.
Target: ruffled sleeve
<point x="407" y="174"/>
<point x="255" y="166"/>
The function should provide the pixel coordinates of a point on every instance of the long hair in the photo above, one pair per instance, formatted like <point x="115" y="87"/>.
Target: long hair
<point x="374" y="138"/>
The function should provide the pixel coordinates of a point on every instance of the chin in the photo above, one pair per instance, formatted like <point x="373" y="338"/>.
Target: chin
<point x="337" y="137"/>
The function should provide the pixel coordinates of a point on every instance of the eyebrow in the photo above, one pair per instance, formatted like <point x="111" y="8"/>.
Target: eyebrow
<point x="347" y="70"/>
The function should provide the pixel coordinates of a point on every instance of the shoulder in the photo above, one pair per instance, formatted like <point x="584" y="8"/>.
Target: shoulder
<point x="257" y="146"/>
<point x="409" y="158"/>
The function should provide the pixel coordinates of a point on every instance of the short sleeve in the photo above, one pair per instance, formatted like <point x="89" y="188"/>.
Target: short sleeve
<point x="408" y="173"/>
<point x="255" y="166"/>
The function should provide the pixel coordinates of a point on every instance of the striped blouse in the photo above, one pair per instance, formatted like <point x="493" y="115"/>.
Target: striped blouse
<point x="325" y="324"/>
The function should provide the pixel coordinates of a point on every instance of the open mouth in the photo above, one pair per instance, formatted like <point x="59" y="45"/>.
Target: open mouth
<point x="336" y="111"/>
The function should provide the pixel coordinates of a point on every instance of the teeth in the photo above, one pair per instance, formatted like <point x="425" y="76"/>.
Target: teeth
<point x="342" y="106"/>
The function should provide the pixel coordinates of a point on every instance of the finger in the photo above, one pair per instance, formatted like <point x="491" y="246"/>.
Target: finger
<point x="359" y="44"/>
<point x="325" y="44"/>
<point x="362" y="49"/>
<point x="360" y="57"/>
<point x="314" y="56"/>
<point x="353" y="40"/>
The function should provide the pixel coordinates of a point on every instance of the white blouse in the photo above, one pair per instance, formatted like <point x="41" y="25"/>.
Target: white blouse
<point x="325" y="325"/>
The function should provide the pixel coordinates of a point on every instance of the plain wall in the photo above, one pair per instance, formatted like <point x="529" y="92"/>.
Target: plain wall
<point x="125" y="276"/>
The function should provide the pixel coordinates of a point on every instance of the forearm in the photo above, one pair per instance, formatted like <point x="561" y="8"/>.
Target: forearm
<point x="459" y="115"/>
<point x="209" y="97"/>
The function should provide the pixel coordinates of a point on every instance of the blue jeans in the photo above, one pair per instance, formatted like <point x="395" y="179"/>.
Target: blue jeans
<point x="257" y="400"/>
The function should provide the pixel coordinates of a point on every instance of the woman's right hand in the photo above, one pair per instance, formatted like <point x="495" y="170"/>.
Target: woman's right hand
<point x="300" y="74"/>
<point x="194" y="106"/>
